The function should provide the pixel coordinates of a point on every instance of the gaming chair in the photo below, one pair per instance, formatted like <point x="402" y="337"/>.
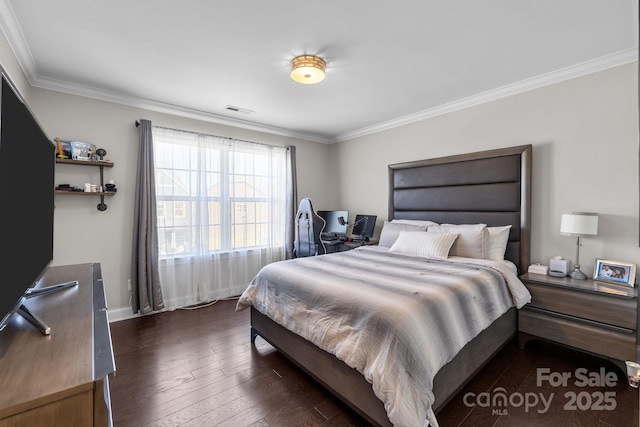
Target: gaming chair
<point x="309" y="228"/>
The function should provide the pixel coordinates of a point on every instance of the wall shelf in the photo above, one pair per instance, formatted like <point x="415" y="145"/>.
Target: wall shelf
<point x="82" y="193"/>
<point x="101" y="164"/>
<point x="85" y="163"/>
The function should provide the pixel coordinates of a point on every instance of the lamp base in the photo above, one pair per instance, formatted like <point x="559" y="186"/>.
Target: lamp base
<point x="577" y="274"/>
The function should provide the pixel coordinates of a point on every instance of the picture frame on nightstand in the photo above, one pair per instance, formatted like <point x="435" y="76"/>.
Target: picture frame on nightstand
<point x="618" y="272"/>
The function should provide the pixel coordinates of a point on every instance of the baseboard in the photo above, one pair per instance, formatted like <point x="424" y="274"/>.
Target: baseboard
<point x="122" y="313"/>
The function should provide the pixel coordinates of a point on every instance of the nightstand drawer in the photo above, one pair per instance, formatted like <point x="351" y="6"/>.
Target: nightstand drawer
<point x="602" y="308"/>
<point x="617" y="343"/>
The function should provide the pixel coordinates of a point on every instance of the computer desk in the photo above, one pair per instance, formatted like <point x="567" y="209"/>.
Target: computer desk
<point x="342" y="246"/>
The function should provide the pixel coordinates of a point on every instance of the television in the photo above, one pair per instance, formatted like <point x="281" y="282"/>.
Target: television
<point x="27" y="161"/>
<point x="363" y="226"/>
<point x="335" y="221"/>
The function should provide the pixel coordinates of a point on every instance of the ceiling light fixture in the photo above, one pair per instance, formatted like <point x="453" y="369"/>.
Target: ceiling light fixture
<point x="307" y="69"/>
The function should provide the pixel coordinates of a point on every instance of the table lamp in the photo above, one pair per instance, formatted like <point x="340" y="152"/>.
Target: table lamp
<point x="579" y="224"/>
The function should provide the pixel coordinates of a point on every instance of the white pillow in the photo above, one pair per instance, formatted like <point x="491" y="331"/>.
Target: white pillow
<point x="498" y="239"/>
<point x="421" y="244"/>
<point x="419" y="222"/>
<point x="391" y="231"/>
<point x="472" y="241"/>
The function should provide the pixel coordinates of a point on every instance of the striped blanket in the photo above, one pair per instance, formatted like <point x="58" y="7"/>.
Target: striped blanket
<point x="396" y="319"/>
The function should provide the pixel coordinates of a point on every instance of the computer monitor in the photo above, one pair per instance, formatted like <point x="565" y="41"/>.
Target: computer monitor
<point x="364" y="225"/>
<point x="336" y="221"/>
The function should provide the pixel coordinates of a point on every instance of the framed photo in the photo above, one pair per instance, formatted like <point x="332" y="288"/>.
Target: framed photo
<point x="621" y="273"/>
<point x="82" y="150"/>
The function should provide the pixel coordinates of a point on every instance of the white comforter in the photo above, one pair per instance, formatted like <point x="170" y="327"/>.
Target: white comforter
<point x="396" y="319"/>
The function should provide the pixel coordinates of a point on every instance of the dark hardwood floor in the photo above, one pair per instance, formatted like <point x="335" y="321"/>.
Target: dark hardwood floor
<point x="198" y="368"/>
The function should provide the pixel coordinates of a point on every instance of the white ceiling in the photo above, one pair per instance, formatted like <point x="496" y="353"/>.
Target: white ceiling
<point x="388" y="62"/>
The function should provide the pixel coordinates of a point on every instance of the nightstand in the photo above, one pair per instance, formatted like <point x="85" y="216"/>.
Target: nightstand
<point x="595" y="317"/>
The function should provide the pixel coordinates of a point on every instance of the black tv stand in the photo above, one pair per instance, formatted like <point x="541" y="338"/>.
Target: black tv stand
<point x="30" y="293"/>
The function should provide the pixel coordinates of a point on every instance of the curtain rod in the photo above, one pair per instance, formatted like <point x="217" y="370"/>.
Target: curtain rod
<point x="287" y="147"/>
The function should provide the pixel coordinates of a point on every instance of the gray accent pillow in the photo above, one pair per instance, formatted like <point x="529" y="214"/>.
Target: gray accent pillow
<point x="391" y="231"/>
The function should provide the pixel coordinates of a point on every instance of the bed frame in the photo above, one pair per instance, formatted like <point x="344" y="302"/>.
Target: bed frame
<point x="491" y="187"/>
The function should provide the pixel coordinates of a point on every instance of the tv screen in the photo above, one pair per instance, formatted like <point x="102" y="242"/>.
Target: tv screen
<point x="333" y="223"/>
<point x="27" y="161"/>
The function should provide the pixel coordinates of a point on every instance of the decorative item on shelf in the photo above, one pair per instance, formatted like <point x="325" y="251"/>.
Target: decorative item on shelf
<point x="579" y="224"/>
<point x="64" y="187"/>
<point x="101" y="152"/>
<point x="69" y="188"/>
<point x="621" y="273"/>
<point x="63" y="148"/>
<point x="82" y="151"/>
<point x="110" y="187"/>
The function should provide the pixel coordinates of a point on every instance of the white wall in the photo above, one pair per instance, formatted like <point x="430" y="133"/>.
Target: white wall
<point x="84" y="234"/>
<point x="584" y="134"/>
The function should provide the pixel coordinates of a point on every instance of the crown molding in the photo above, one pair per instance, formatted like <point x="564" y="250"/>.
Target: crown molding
<point x="568" y="73"/>
<point x="166" y="108"/>
<point x="13" y="33"/>
<point x="15" y="38"/>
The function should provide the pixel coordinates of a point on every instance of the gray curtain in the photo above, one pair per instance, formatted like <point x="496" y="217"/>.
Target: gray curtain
<point x="292" y="200"/>
<point x="145" y="276"/>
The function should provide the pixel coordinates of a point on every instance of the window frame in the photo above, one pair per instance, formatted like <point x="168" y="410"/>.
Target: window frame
<point x="226" y="224"/>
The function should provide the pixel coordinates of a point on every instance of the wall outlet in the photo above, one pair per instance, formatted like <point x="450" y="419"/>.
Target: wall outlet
<point x="129" y="285"/>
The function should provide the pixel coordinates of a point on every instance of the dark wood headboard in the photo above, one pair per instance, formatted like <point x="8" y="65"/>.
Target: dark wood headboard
<point x="489" y="187"/>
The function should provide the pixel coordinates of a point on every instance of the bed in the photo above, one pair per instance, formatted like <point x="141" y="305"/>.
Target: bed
<point x="489" y="187"/>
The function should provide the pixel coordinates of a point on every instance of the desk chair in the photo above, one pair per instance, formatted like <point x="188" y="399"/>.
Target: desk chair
<point x="309" y="226"/>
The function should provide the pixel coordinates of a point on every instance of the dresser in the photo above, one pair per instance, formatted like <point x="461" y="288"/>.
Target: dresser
<point x="595" y="317"/>
<point x="60" y="379"/>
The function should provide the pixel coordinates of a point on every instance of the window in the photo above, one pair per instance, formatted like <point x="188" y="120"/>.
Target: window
<point x="217" y="195"/>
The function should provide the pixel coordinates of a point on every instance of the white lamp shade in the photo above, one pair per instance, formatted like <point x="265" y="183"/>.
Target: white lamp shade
<point x="579" y="224"/>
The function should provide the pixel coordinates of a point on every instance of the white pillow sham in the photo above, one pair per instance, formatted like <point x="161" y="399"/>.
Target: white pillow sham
<point x="425" y="245"/>
<point x="391" y="231"/>
<point x="498" y="239"/>
<point x="472" y="241"/>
